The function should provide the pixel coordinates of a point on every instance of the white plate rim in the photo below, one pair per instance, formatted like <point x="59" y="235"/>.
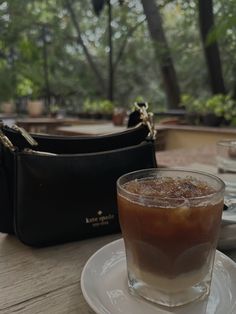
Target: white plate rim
<point x="87" y="298"/>
<point x="113" y="243"/>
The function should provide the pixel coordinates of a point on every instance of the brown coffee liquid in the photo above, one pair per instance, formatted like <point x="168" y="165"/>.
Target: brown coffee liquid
<point x="166" y="240"/>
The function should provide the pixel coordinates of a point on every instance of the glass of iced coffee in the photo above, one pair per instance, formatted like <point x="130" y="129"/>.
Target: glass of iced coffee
<point x="170" y="220"/>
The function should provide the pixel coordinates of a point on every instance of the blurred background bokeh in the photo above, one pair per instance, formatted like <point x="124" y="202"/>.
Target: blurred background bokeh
<point x="75" y="57"/>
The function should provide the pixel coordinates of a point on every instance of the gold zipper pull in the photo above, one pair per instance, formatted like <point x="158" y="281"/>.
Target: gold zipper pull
<point x="25" y="134"/>
<point x="6" y="142"/>
<point x="37" y="152"/>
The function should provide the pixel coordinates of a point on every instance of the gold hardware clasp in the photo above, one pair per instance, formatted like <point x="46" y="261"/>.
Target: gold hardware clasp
<point x="25" y="134"/>
<point x="6" y="142"/>
<point x="147" y="119"/>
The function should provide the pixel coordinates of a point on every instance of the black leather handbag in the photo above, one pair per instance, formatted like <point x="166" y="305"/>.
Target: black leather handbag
<point x="57" y="189"/>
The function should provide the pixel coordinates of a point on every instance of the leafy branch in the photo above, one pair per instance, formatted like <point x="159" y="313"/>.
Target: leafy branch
<point x="100" y="80"/>
<point x="125" y="41"/>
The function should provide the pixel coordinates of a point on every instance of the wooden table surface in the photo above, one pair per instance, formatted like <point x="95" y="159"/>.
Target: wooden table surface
<point x="184" y="157"/>
<point x="47" y="281"/>
<point x="44" y="124"/>
<point x="90" y="129"/>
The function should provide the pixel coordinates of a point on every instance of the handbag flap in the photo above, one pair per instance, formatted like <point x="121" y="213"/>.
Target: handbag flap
<point x="81" y="144"/>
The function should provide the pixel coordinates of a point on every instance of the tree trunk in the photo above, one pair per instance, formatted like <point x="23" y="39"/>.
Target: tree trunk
<point x="124" y="43"/>
<point x="211" y="51"/>
<point x="47" y="93"/>
<point x="234" y="91"/>
<point x="162" y="52"/>
<point x="110" y="58"/>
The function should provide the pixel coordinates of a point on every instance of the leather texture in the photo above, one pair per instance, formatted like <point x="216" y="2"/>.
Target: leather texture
<point x="64" y="198"/>
<point x="6" y="199"/>
<point x="80" y="144"/>
<point x="72" y="195"/>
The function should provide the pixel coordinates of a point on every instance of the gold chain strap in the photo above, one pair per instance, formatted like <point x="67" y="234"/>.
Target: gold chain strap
<point x="6" y="142"/>
<point x="147" y="119"/>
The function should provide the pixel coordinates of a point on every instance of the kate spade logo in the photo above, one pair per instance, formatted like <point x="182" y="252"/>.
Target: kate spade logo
<point x="99" y="219"/>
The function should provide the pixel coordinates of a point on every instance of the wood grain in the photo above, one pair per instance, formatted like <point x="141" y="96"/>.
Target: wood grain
<point x="44" y="280"/>
<point x="61" y="301"/>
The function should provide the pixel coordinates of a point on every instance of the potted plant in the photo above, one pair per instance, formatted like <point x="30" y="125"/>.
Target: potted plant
<point x="98" y="109"/>
<point x="211" y="111"/>
<point x="192" y="107"/>
<point x="54" y="109"/>
<point x="8" y="93"/>
<point x="8" y="107"/>
<point x="106" y="108"/>
<point x="26" y="88"/>
<point x="218" y="109"/>
<point x="89" y="109"/>
<point x="118" y="116"/>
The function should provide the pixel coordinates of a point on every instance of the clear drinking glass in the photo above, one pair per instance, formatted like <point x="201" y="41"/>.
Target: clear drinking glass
<point x="226" y="163"/>
<point x="226" y="156"/>
<point x="170" y="241"/>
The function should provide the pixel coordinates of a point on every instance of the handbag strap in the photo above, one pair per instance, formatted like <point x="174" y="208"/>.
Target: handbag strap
<point x="16" y="138"/>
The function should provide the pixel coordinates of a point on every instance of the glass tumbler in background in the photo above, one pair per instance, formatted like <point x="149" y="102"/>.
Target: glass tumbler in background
<point x="170" y="221"/>
<point x="226" y="156"/>
<point x="226" y="163"/>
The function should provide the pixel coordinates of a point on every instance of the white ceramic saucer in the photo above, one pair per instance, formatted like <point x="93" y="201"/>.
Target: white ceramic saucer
<point x="104" y="286"/>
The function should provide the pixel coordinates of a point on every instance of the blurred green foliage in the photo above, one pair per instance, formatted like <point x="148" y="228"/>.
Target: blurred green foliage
<point x="220" y="105"/>
<point x="98" y="106"/>
<point x="27" y="27"/>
